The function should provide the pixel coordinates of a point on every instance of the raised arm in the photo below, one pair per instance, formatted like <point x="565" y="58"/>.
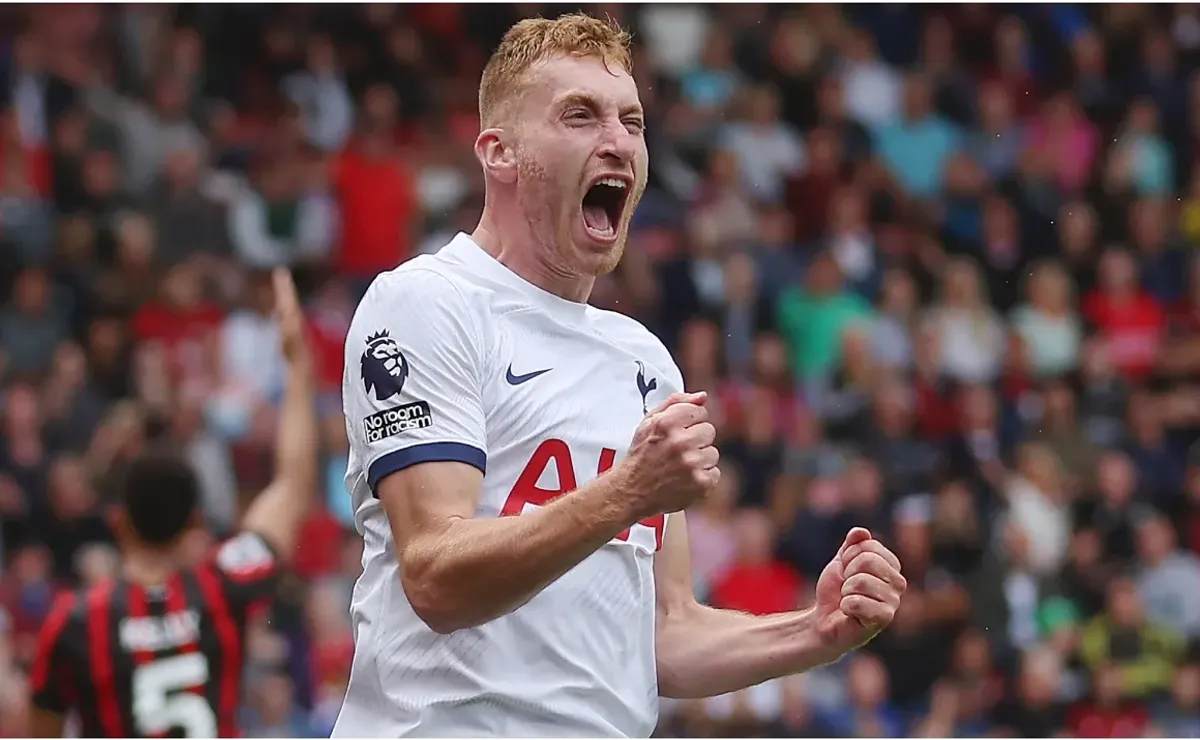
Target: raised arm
<point x="703" y="651"/>
<point x="277" y="513"/>
<point x="417" y="423"/>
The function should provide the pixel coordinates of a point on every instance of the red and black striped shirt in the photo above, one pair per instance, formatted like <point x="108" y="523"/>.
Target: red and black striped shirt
<point x="166" y="661"/>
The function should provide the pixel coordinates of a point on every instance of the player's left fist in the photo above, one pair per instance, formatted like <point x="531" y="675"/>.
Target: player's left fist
<point x="858" y="593"/>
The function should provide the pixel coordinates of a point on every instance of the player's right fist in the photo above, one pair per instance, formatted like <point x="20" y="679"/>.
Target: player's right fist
<point x="672" y="462"/>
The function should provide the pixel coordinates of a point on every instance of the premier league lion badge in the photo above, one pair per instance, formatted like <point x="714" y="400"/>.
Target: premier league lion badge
<point x="384" y="368"/>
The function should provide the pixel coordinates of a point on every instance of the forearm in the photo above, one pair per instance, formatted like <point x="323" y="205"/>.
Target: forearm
<point x="278" y="512"/>
<point x="296" y="440"/>
<point x="707" y="652"/>
<point x="470" y="571"/>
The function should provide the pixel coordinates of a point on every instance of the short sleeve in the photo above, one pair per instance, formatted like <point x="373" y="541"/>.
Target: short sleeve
<point x="411" y="390"/>
<point x="249" y="572"/>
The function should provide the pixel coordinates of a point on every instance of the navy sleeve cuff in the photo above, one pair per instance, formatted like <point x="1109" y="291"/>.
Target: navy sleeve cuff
<point x="394" y="462"/>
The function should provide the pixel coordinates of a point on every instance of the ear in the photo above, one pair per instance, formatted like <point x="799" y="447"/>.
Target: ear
<point x="495" y="156"/>
<point x="118" y="524"/>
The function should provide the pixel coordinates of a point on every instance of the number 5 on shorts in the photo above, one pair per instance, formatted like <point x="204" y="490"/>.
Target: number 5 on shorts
<point x="161" y="700"/>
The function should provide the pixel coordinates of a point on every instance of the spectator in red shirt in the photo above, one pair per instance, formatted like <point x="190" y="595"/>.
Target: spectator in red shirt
<point x="330" y="313"/>
<point x="1130" y="322"/>
<point x="1106" y="714"/>
<point x="181" y="321"/>
<point x="1011" y="68"/>
<point x="378" y="205"/>
<point x="25" y="189"/>
<point x="25" y="166"/>
<point x="808" y="195"/>
<point x="756" y="583"/>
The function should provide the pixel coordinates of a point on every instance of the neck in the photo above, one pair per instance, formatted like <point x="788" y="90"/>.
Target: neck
<point x="147" y="566"/>
<point x="523" y="252"/>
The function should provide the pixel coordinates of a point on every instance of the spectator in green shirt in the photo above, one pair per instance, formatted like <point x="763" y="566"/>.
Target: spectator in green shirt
<point x="814" y="318"/>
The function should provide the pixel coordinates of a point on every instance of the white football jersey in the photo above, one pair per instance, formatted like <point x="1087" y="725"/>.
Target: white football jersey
<point x="452" y="356"/>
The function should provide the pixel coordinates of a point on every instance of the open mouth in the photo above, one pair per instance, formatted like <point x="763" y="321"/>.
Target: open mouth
<point x="603" y="206"/>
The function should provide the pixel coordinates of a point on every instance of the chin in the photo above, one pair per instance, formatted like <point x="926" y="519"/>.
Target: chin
<point x="599" y="257"/>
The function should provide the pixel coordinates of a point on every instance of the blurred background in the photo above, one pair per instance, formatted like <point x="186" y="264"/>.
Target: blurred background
<point x="936" y="264"/>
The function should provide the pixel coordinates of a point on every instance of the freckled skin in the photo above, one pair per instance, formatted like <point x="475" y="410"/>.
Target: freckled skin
<point x="574" y="120"/>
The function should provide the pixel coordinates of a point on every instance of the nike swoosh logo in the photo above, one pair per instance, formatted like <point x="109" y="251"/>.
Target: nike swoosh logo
<point x="519" y="379"/>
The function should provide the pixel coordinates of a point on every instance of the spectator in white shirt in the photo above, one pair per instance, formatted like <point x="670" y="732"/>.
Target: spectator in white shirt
<point x="29" y="89"/>
<point x="970" y="334"/>
<point x="251" y="366"/>
<point x="767" y="149"/>
<point x="326" y="107"/>
<point x="280" y="222"/>
<point x="871" y="88"/>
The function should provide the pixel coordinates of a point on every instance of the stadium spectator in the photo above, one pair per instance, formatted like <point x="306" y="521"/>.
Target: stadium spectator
<point x="935" y="265"/>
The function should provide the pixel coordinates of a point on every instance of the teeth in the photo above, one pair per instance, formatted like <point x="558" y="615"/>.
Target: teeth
<point x="612" y="182"/>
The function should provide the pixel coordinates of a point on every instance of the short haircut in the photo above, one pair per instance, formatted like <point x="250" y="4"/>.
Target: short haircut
<point x="534" y="40"/>
<point x="160" y="495"/>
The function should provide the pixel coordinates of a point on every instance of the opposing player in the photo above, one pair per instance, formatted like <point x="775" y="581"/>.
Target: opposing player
<point x="519" y="459"/>
<point x="158" y="652"/>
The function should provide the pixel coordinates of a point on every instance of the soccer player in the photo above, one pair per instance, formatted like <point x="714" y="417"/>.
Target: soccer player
<point x="520" y="460"/>
<point x="158" y="652"/>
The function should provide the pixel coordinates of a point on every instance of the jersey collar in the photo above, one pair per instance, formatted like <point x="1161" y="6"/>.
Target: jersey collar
<point x="463" y="248"/>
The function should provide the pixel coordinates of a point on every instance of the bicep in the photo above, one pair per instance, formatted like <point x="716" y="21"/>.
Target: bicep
<point x="423" y="499"/>
<point x="673" y="569"/>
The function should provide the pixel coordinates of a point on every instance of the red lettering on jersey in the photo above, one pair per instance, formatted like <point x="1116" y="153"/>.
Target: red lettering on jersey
<point x="607" y="457"/>
<point x="526" y="490"/>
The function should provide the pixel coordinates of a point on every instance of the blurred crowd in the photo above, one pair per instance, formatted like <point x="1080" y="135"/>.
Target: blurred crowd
<point x="934" y="263"/>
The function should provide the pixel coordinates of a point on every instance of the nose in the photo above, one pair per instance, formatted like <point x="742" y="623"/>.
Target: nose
<point x="619" y="147"/>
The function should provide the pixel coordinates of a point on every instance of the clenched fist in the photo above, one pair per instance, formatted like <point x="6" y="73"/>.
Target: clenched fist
<point x="858" y="592"/>
<point x="672" y="461"/>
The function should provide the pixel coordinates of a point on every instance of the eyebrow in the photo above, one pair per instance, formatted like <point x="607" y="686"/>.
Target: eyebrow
<point x="588" y="100"/>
